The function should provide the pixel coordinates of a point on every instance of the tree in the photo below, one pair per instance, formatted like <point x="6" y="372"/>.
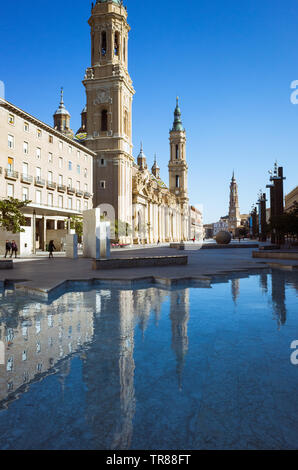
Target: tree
<point x="76" y="224"/>
<point x="12" y="218"/>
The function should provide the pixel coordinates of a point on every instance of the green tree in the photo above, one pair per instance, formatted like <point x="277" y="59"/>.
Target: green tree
<point x="12" y="218"/>
<point x="76" y="224"/>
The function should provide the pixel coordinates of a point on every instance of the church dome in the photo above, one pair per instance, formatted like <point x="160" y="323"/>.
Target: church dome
<point x="62" y="110"/>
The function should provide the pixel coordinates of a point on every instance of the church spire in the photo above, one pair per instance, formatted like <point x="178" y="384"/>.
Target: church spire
<point x="177" y="126"/>
<point x="155" y="169"/>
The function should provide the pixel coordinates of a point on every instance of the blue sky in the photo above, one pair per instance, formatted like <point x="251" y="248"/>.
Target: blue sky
<point x="231" y="63"/>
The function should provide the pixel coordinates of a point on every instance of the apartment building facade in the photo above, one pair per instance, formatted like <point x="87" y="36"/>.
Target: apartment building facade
<point x="46" y="167"/>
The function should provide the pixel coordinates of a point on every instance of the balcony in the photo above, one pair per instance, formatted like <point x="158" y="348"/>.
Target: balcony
<point x="11" y="174"/>
<point x="79" y="193"/>
<point x="51" y="185"/>
<point x="61" y="188"/>
<point x="87" y="195"/>
<point x="39" y="182"/>
<point x="26" y="178"/>
<point x="70" y="190"/>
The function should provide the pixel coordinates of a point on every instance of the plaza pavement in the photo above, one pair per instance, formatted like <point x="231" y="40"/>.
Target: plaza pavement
<point x="43" y="275"/>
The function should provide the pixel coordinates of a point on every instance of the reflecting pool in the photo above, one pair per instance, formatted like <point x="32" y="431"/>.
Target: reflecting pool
<point x="150" y="368"/>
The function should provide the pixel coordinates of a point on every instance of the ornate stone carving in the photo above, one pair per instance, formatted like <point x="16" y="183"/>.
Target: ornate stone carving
<point x="102" y="96"/>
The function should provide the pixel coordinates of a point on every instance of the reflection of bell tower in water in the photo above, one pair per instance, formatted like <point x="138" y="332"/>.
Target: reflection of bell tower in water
<point x="109" y="374"/>
<point x="109" y="93"/>
<point x="179" y="316"/>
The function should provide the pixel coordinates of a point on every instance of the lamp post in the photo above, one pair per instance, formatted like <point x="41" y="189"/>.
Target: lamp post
<point x="276" y="199"/>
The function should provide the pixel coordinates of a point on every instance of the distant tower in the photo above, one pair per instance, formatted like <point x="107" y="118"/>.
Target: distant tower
<point x="109" y="93"/>
<point x="142" y="160"/>
<point x="179" y="315"/>
<point x="155" y="169"/>
<point x="62" y="119"/>
<point x="234" y="212"/>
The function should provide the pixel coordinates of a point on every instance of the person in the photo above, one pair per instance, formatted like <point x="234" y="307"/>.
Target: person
<point x="194" y="239"/>
<point x="14" y="249"/>
<point x="51" y="248"/>
<point x="7" y="248"/>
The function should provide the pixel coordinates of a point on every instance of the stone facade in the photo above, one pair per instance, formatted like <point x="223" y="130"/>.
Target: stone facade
<point x="290" y="199"/>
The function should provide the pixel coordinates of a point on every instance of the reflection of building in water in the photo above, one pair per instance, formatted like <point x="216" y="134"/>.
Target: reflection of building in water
<point x="111" y="400"/>
<point x="179" y="315"/>
<point x="40" y="336"/>
<point x="235" y="283"/>
<point x="264" y="282"/>
<point x="145" y="302"/>
<point x="279" y="297"/>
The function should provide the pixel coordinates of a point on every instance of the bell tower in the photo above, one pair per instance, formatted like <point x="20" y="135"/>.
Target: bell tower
<point x="110" y="93"/>
<point x="177" y="166"/>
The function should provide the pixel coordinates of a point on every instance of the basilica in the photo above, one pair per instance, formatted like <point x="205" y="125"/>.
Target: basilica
<point x="144" y="208"/>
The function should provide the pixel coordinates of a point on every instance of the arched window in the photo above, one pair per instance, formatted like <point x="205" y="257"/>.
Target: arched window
<point x="124" y="49"/>
<point x="116" y="43"/>
<point x="177" y="181"/>
<point x="177" y="152"/>
<point x="103" y="43"/>
<point x="104" y="120"/>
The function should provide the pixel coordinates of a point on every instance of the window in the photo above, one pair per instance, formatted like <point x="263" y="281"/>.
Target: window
<point x="69" y="149"/>
<point x="85" y="205"/>
<point x="26" y="148"/>
<point x="69" y="203"/>
<point x="50" y="199"/>
<point x="78" y="185"/>
<point x="102" y="162"/>
<point x="124" y="49"/>
<point x="177" y="181"/>
<point x="78" y="154"/>
<point x="177" y="152"/>
<point x="25" y="194"/>
<point x="50" y="158"/>
<point x="60" y="145"/>
<point x="24" y="356"/>
<point x="9" y="365"/>
<point x="10" y="141"/>
<point x="25" y="169"/>
<point x="51" y="139"/>
<point x="38" y="196"/>
<point x="85" y="172"/>
<point x="60" y="201"/>
<point x="102" y="184"/>
<point x="10" y="164"/>
<point x="86" y="188"/>
<point x="60" y="179"/>
<point x="103" y="43"/>
<point x="104" y="120"/>
<point x="39" y="133"/>
<point x="38" y="153"/>
<point x="38" y="172"/>
<point x="60" y="162"/>
<point x="50" y="177"/>
<point x="85" y="157"/>
<point x="26" y="127"/>
<point x="78" y="169"/>
<point x="10" y="190"/>
<point x="78" y="205"/>
<point x="70" y="165"/>
<point x="11" y="119"/>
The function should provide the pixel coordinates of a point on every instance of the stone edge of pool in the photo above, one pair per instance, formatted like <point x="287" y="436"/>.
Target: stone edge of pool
<point x="205" y="280"/>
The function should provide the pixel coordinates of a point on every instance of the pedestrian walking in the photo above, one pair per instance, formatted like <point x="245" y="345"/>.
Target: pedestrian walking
<point x="51" y="248"/>
<point x="7" y="248"/>
<point x="14" y="249"/>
